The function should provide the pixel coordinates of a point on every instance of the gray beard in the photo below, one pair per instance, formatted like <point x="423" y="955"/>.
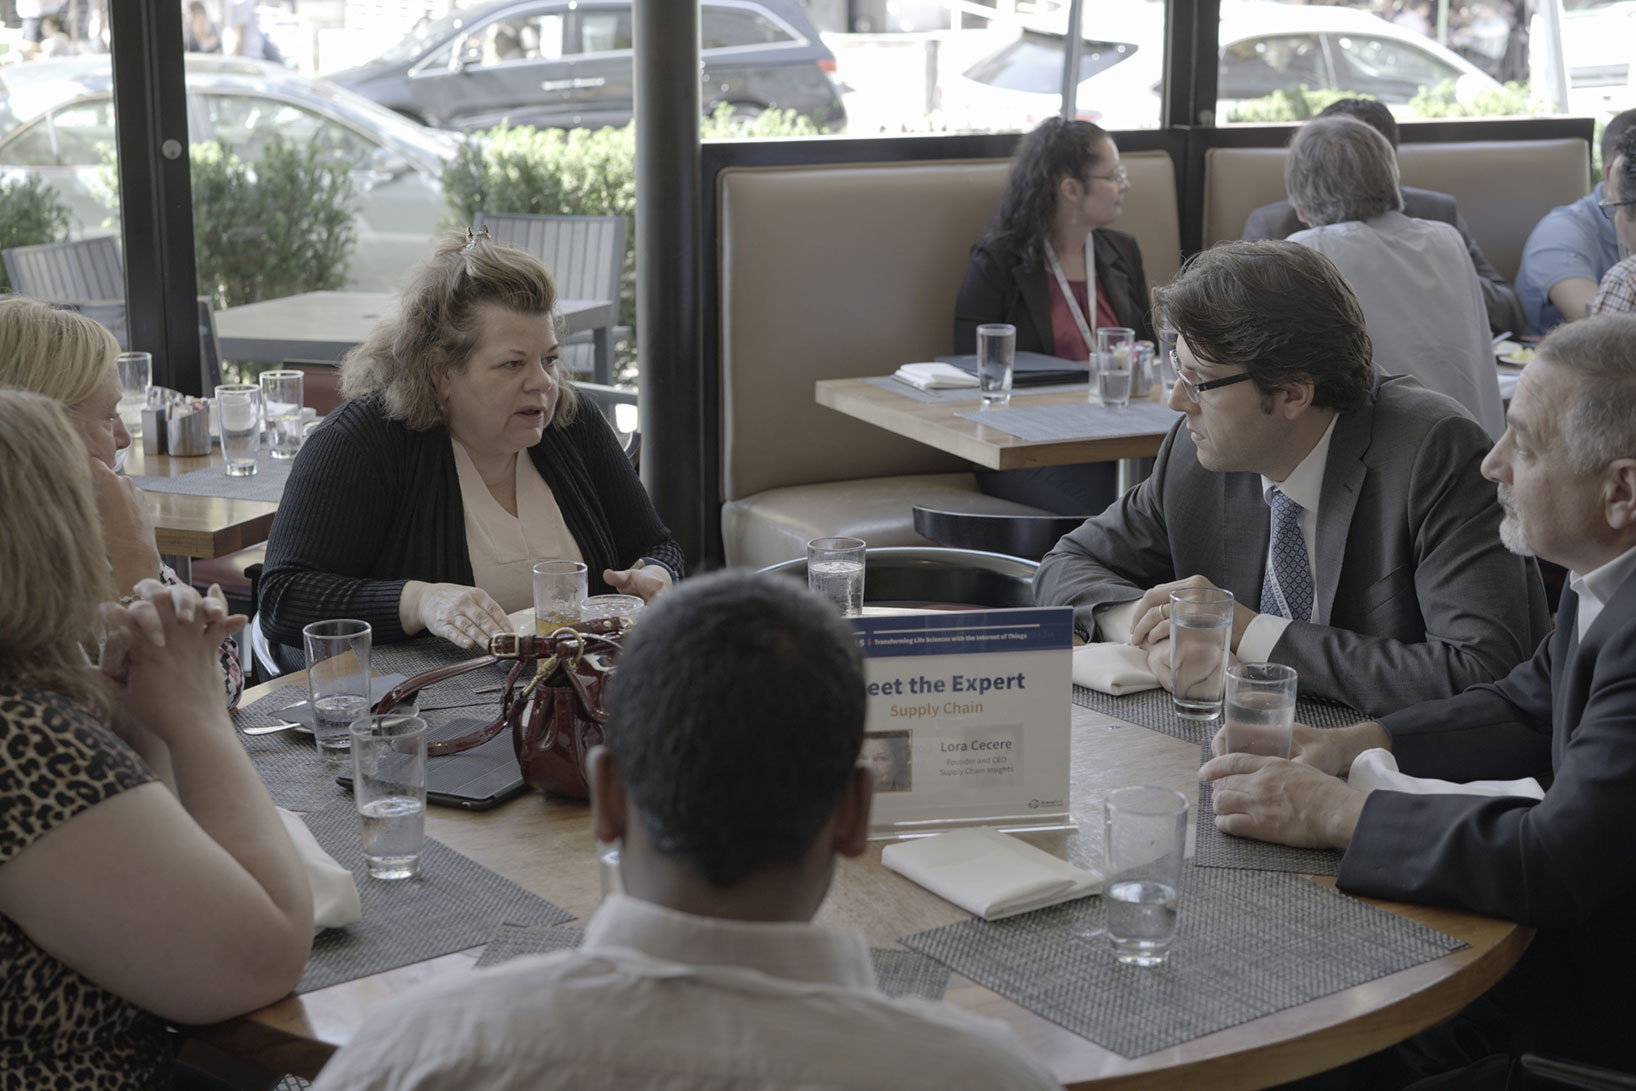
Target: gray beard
<point x="1511" y="532"/>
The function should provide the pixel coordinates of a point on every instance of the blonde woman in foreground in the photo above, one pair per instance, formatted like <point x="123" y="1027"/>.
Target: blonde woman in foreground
<point x="144" y="874"/>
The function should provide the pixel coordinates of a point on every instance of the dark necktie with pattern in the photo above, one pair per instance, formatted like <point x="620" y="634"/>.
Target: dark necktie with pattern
<point x="1287" y="590"/>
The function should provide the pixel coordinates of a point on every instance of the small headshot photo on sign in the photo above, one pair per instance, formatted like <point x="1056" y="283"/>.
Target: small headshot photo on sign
<point x="886" y="754"/>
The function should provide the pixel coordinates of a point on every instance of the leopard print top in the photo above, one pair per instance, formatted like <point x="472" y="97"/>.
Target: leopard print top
<point x="58" y="1029"/>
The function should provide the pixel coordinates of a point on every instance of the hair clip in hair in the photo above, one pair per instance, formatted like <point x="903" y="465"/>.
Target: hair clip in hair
<point x="472" y="238"/>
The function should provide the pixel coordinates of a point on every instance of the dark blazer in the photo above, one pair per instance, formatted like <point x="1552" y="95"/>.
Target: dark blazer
<point x="1416" y="597"/>
<point x="1278" y="221"/>
<point x="1001" y="287"/>
<point x="371" y="505"/>
<point x="1565" y="865"/>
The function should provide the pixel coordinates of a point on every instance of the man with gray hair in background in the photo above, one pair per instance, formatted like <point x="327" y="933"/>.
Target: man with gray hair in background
<point x="1421" y="299"/>
<point x="1279" y="221"/>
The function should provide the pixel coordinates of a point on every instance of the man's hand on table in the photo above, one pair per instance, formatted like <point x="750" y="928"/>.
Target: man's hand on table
<point x="1283" y="801"/>
<point x="1152" y="617"/>
<point x="1329" y="750"/>
<point x="1158" y="661"/>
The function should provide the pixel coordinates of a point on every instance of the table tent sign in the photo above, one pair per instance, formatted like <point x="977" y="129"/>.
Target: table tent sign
<point x="966" y="723"/>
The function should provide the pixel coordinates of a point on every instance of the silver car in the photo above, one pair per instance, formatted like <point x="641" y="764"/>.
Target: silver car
<point x="57" y="117"/>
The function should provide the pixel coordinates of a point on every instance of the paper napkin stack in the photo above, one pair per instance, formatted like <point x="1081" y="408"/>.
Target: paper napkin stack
<point x="988" y="873"/>
<point x="934" y="376"/>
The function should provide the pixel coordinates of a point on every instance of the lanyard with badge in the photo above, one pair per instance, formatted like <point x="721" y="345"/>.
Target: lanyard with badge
<point x="1068" y="294"/>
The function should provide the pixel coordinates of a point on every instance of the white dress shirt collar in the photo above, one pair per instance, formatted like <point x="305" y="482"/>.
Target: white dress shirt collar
<point x="789" y="950"/>
<point x="1597" y="587"/>
<point x="1305" y="483"/>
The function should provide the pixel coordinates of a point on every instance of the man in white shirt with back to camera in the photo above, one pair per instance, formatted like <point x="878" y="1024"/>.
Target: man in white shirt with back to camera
<point x="731" y="777"/>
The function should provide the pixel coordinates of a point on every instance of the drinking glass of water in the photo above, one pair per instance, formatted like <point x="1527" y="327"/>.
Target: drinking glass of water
<point x="1113" y="365"/>
<point x="389" y="786"/>
<point x="835" y="571"/>
<point x="135" y="376"/>
<point x="238" y="415"/>
<point x="996" y="358"/>
<point x="337" y="681"/>
<point x="281" y="400"/>
<point x="1201" y="628"/>
<point x="1260" y="709"/>
<point x="1144" y="843"/>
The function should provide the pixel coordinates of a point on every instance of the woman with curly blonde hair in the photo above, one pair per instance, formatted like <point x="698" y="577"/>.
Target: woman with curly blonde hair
<point x="461" y="457"/>
<point x="144" y="874"/>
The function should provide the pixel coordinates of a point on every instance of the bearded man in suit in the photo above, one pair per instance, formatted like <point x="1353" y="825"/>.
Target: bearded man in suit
<point x="1343" y="507"/>
<point x="1564" y="864"/>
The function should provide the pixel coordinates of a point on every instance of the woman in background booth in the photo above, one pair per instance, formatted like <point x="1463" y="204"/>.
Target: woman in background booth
<point x="462" y="457"/>
<point x="70" y="357"/>
<point x="1053" y="224"/>
<point x="144" y="874"/>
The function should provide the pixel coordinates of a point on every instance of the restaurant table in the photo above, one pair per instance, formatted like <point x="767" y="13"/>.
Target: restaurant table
<point x="324" y="325"/>
<point x="546" y="846"/>
<point x="939" y="424"/>
<point x="189" y="527"/>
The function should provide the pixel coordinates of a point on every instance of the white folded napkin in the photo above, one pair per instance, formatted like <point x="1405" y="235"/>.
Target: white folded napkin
<point x="1378" y="769"/>
<point x="334" y="895"/>
<point x="935" y="376"/>
<point x="987" y="873"/>
<point x="1113" y="669"/>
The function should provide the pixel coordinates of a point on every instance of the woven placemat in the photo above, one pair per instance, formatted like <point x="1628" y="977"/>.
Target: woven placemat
<point x="454" y="903"/>
<point x="897" y="973"/>
<point x="1154" y="709"/>
<point x="1212" y="848"/>
<point x="1248" y="944"/>
<point x="1083" y="420"/>
<point x="965" y="393"/>
<point x="267" y="483"/>
<point x="288" y="761"/>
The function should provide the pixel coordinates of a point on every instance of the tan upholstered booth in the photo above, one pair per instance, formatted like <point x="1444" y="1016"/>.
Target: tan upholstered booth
<point x="1504" y="187"/>
<point x="842" y="271"/>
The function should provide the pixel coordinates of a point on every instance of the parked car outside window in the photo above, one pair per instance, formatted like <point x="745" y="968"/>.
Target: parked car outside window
<point x="568" y="63"/>
<point x="57" y="122"/>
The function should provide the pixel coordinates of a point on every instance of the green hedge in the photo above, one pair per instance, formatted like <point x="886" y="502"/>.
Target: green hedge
<point x="1302" y="103"/>
<point x="580" y="172"/>
<point x="30" y="213"/>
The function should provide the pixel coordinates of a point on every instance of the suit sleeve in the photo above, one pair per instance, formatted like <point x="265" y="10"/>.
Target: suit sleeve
<point x="1482" y="608"/>
<point x="981" y="298"/>
<point x="333" y="519"/>
<point x="1113" y="557"/>
<point x="1499" y="298"/>
<point x="1551" y="864"/>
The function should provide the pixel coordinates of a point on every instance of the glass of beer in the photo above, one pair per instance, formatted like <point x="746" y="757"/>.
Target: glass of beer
<point x="559" y="589"/>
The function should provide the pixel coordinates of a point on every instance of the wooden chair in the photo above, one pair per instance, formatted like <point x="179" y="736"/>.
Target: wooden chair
<point x="586" y="255"/>
<point x="85" y="269"/>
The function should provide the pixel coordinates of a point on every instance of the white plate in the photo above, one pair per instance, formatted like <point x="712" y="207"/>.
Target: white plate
<point x="1513" y="354"/>
<point x="522" y="621"/>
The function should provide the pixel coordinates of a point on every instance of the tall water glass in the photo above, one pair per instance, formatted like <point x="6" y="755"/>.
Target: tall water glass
<point x="996" y="359"/>
<point x="1260" y="709"/>
<point x="835" y="571"/>
<point x="389" y="787"/>
<point x="337" y="681"/>
<point x="1164" y="354"/>
<point x="559" y="589"/>
<point x="1201" y="628"/>
<point x="238" y="415"/>
<point x="1113" y="365"/>
<point x="135" y="377"/>
<point x="281" y="400"/>
<point x="1145" y="845"/>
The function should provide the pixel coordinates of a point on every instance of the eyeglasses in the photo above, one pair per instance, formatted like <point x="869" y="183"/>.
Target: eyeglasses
<point x="1193" y="390"/>
<point x="1119" y="176"/>
<point x="1607" y="207"/>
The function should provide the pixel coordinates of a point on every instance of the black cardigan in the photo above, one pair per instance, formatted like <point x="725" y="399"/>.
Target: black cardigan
<point x="371" y="505"/>
<point x="1001" y="287"/>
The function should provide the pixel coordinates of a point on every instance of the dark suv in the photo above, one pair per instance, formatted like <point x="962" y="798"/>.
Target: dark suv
<point x="567" y="63"/>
